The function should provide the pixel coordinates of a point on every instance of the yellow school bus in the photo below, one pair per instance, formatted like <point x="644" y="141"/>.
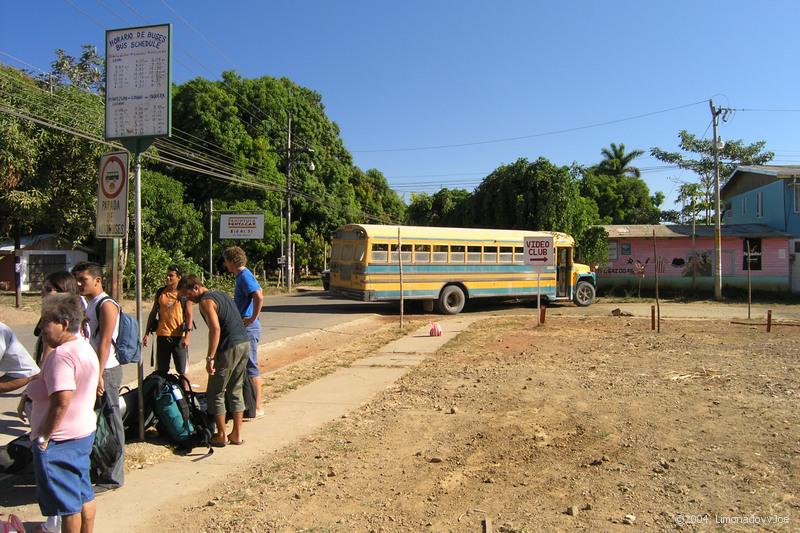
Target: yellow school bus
<point x="445" y="267"/>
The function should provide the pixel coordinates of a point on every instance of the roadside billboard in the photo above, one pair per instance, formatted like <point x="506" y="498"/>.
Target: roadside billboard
<point x="243" y="226"/>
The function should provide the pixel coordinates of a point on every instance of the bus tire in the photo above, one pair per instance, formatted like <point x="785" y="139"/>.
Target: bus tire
<point x="451" y="300"/>
<point x="584" y="294"/>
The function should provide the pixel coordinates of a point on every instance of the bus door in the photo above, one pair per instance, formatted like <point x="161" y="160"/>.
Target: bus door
<point x="563" y="272"/>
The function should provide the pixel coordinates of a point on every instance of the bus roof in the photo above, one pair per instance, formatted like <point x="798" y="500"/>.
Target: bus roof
<point x="389" y="232"/>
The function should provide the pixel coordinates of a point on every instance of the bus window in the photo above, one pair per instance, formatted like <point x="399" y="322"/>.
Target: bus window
<point x="473" y="254"/>
<point x="457" y="253"/>
<point x="490" y="254"/>
<point x="347" y="252"/>
<point x="506" y="255"/>
<point x="440" y="253"/>
<point x="336" y="252"/>
<point x="358" y="256"/>
<point x="422" y="253"/>
<point x="405" y="252"/>
<point x="519" y="254"/>
<point x="380" y="253"/>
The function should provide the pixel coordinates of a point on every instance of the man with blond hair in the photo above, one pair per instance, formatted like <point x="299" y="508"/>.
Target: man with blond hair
<point x="249" y="297"/>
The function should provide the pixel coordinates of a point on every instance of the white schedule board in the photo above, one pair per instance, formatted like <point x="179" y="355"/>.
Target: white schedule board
<point x="112" y="196"/>
<point x="139" y="82"/>
<point x="540" y="252"/>
<point x="241" y="226"/>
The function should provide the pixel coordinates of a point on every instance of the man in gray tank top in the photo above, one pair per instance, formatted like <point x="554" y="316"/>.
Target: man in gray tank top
<point x="226" y="359"/>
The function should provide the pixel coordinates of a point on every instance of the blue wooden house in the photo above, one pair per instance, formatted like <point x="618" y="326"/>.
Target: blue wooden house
<point x="767" y="195"/>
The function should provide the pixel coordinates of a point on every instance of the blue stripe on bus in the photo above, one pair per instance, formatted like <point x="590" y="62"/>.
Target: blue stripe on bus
<point x="520" y="291"/>
<point x="449" y="267"/>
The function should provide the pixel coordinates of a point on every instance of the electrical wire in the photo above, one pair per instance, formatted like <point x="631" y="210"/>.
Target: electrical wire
<point x="533" y="135"/>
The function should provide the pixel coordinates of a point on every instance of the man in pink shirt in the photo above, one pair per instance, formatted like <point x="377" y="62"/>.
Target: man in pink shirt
<point x="63" y="421"/>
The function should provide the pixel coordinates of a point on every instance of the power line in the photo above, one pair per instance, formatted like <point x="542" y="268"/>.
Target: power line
<point x="533" y="135"/>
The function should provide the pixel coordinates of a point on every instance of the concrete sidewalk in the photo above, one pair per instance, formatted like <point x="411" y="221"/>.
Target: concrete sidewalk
<point x="153" y="494"/>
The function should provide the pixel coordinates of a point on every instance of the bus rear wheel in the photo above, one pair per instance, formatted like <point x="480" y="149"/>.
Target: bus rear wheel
<point x="451" y="300"/>
<point x="584" y="294"/>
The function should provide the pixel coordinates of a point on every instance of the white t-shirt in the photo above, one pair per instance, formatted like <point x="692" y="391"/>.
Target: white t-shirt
<point x="94" y="327"/>
<point x="15" y="361"/>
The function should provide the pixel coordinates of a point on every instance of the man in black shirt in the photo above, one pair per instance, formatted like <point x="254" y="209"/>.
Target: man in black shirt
<point x="226" y="359"/>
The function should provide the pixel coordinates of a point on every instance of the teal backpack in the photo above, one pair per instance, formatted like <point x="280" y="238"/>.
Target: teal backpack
<point x="175" y="406"/>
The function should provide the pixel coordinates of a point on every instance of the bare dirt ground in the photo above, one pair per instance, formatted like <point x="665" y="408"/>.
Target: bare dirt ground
<point x="573" y="425"/>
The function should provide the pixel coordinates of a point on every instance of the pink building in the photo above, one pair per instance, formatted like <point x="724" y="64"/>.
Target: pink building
<point x="684" y="262"/>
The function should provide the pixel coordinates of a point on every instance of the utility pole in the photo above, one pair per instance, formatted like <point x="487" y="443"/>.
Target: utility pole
<point x="289" y="208"/>
<point x="718" y="227"/>
<point x="210" y="238"/>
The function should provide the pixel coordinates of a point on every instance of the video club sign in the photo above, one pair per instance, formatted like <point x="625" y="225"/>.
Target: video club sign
<point x="540" y="252"/>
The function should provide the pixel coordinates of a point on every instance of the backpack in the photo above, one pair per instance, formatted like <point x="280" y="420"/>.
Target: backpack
<point x="128" y="345"/>
<point x="175" y="406"/>
<point x="106" y="447"/>
<point x="16" y="455"/>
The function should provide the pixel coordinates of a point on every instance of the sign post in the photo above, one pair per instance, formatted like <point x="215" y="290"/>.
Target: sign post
<point x="138" y="111"/>
<point x="541" y="255"/>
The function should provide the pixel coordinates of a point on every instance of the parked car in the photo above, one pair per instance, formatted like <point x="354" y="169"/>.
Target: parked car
<point x="326" y="279"/>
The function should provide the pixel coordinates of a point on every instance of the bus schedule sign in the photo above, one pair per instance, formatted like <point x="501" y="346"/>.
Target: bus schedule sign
<point x="139" y="82"/>
<point x="540" y="252"/>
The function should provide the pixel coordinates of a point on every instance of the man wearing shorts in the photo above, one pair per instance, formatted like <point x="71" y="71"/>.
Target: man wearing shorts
<point x="249" y="297"/>
<point x="226" y="359"/>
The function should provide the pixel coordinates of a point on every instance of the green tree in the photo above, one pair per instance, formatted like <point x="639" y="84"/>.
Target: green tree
<point x="616" y="162"/>
<point x="621" y="199"/>
<point x="700" y="160"/>
<point x="439" y="209"/>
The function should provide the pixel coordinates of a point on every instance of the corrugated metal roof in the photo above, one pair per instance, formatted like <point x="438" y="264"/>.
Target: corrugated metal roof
<point x="679" y="231"/>
<point x="779" y="171"/>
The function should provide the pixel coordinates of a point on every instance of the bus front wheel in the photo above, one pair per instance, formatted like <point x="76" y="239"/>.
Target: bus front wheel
<point x="451" y="300"/>
<point x="584" y="294"/>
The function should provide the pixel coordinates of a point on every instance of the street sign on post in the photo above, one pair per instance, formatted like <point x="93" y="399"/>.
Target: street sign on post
<point x="139" y="110"/>
<point x="241" y="226"/>
<point x="540" y="253"/>
<point x="112" y="196"/>
<point x="138" y="82"/>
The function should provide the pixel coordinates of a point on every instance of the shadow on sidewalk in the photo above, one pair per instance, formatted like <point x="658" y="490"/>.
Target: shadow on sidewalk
<point x="18" y="489"/>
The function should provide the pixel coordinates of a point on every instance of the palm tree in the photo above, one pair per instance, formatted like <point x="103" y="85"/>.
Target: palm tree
<point x="618" y="163"/>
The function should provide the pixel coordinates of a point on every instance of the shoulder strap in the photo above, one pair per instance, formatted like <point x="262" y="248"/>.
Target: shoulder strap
<point x="97" y="313"/>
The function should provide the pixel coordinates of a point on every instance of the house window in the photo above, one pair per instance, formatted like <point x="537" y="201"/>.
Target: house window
<point x="796" y="189"/>
<point x="625" y="248"/>
<point x="759" y="204"/>
<point x="612" y="250"/>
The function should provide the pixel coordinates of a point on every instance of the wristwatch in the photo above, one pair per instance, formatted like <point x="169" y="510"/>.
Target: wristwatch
<point x="42" y="442"/>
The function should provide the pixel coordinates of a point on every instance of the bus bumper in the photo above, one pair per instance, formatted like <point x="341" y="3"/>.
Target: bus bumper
<point x="353" y="294"/>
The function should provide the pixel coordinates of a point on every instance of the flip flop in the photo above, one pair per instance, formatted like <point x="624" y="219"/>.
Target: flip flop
<point x="217" y="444"/>
<point x="236" y="442"/>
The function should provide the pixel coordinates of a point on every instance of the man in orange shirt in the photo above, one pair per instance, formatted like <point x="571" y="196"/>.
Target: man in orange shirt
<point x="171" y="321"/>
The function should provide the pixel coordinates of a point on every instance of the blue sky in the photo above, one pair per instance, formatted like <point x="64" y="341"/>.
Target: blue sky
<point x="426" y="73"/>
